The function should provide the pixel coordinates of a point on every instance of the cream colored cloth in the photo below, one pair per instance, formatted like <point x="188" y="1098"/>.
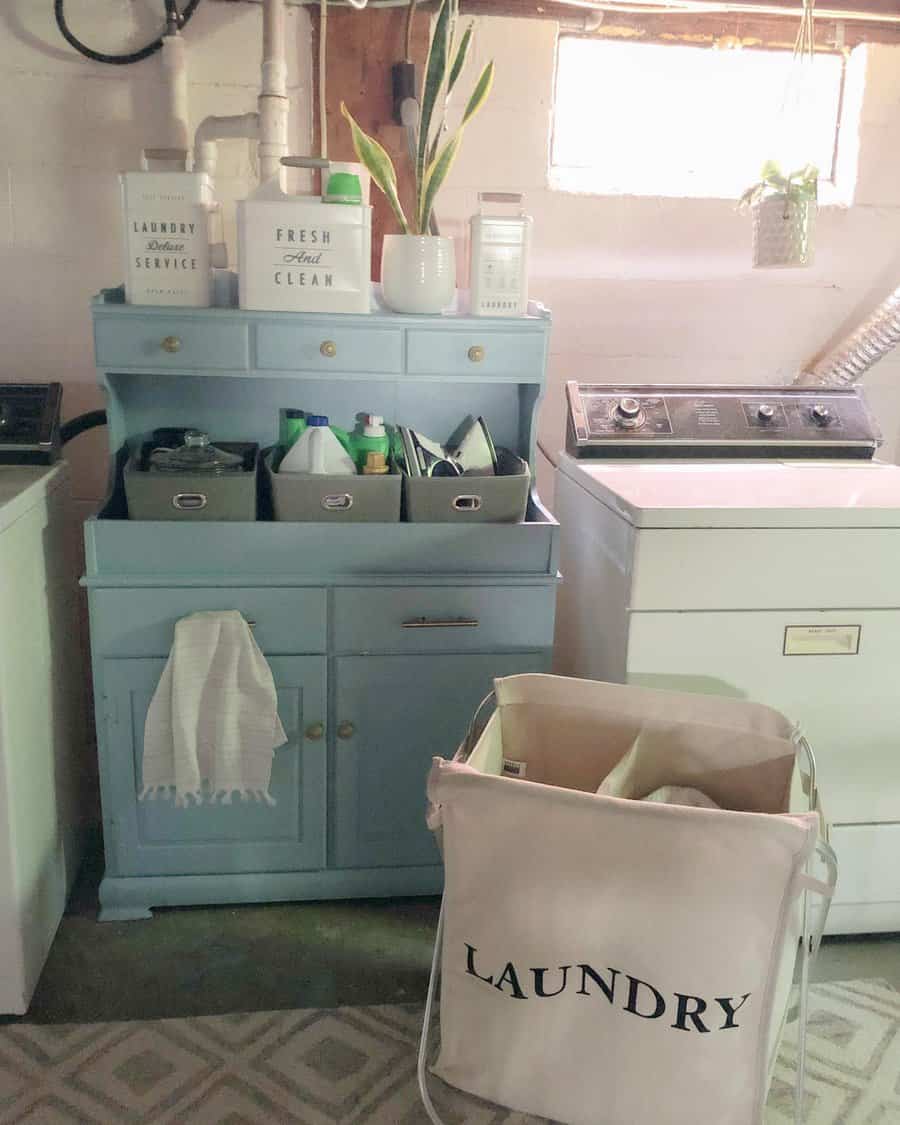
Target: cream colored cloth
<point x="681" y="795"/>
<point x="212" y="726"/>
<point x="645" y="763"/>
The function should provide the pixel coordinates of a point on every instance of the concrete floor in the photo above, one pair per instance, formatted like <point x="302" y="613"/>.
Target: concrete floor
<point x="210" y="960"/>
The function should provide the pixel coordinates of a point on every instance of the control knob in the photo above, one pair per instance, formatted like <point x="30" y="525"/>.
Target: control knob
<point x="765" y="412"/>
<point x="628" y="413"/>
<point x="821" y="414"/>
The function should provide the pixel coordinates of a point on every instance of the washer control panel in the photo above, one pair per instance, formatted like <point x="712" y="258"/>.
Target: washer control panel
<point x="29" y="422"/>
<point x="697" y="421"/>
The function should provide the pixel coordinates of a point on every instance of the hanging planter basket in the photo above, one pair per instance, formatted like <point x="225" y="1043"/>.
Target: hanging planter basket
<point x="784" y="229"/>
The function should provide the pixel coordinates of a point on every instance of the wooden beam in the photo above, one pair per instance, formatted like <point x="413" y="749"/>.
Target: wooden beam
<point x="673" y="26"/>
<point x="361" y="48"/>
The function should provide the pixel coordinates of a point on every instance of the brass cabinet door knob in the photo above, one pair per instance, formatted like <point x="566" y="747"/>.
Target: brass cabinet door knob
<point x="346" y="730"/>
<point x="315" y="731"/>
<point x="171" y="344"/>
<point x="328" y="348"/>
<point x="476" y="353"/>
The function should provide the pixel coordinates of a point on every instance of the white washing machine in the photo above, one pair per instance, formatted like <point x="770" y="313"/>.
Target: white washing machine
<point x="42" y="729"/>
<point x="744" y="541"/>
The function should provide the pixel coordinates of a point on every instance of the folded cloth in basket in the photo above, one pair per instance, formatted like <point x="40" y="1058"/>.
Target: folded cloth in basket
<point x="676" y="795"/>
<point x="212" y="726"/>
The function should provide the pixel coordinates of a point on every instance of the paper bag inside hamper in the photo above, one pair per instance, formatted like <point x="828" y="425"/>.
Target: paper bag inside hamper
<point x="572" y="746"/>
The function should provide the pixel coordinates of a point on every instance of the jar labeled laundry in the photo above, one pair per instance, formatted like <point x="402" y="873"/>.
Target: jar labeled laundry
<point x="166" y="220"/>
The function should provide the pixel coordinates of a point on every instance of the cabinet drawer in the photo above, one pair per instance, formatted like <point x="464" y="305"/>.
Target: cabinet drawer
<point x="473" y="353"/>
<point x="443" y="618"/>
<point x="141" y="622"/>
<point x="170" y="343"/>
<point x="325" y="346"/>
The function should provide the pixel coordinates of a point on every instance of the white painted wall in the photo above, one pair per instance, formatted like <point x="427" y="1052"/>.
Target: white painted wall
<point x="641" y="289"/>
<point x="646" y="289"/>
<point x="69" y="126"/>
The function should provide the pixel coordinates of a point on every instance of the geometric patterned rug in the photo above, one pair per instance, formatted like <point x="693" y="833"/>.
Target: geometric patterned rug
<point x="355" y="1065"/>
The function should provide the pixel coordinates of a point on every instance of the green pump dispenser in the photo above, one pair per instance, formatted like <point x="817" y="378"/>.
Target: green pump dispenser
<point x="372" y="439"/>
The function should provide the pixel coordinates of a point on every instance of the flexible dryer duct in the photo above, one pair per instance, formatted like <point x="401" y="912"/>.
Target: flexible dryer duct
<point x="851" y="359"/>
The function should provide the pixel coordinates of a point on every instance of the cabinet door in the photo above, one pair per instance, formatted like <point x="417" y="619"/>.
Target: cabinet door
<point x="154" y="837"/>
<point x="404" y="710"/>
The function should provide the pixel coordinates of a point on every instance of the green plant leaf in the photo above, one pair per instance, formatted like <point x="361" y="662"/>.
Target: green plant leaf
<point x="437" y="173"/>
<point x="460" y="59"/>
<point x="435" y="72"/>
<point x="374" y="158"/>
<point x="479" y="94"/>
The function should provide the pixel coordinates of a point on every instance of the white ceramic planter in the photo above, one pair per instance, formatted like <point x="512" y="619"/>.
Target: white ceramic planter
<point x="418" y="273"/>
<point x="783" y="232"/>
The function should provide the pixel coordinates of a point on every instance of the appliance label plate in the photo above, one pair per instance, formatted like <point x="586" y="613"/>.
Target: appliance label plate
<point x="821" y="640"/>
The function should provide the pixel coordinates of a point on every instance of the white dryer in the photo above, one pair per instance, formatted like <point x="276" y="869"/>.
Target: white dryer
<point x="43" y="736"/>
<point x="743" y="541"/>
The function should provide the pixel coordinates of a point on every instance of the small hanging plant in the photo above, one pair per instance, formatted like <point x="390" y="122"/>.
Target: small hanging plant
<point x="784" y="214"/>
<point x="796" y="187"/>
<point x="433" y="160"/>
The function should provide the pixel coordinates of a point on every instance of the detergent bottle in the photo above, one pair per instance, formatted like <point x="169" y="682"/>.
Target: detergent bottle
<point x="373" y="439"/>
<point x="291" y="425"/>
<point x="318" y="451"/>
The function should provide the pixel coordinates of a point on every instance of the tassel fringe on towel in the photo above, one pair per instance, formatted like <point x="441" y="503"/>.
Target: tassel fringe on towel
<point x="204" y="796"/>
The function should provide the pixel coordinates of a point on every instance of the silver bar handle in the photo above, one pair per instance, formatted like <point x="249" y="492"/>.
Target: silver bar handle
<point x="441" y="623"/>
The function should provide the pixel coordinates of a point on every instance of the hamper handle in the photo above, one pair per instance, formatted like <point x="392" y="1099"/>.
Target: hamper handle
<point x="473" y="732"/>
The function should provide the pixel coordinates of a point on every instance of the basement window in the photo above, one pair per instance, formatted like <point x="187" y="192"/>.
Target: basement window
<point x="671" y="120"/>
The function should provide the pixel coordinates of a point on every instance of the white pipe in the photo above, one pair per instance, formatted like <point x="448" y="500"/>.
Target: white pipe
<point x="174" y="68"/>
<point x="214" y="129"/>
<point x="273" y="101"/>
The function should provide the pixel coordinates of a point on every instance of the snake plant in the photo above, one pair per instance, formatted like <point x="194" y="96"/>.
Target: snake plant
<point x="434" y="154"/>
<point x="799" y="186"/>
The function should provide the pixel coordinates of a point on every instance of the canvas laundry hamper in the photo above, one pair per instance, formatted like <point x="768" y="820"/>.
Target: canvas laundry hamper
<point x="610" y="961"/>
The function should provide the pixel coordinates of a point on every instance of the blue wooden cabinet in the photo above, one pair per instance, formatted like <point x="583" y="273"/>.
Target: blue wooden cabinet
<point x="361" y="624"/>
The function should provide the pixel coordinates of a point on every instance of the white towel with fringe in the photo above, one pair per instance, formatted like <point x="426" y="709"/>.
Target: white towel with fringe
<point x="212" y="726"/>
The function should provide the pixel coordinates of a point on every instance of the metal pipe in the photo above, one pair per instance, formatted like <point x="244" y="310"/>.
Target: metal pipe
<point x="174" y="67"/>
<point x="211" y="130"/>
<point x="273" y="100"/>
<point x="717" y="8"/>
<point x="853" y="357"/>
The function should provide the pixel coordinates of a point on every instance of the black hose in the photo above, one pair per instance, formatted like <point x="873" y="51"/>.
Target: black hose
<point x="132" y="56"/>
<point x="76" y="426"/>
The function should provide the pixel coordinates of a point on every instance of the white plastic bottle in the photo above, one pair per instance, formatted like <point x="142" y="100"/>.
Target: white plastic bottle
<point x="317" y="451"/>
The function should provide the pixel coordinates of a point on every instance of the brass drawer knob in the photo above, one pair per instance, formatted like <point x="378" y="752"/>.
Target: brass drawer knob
<point x="328" y="348"/>
<point x="315" y="731"/>
<point x="346" y="730"/>
<point x="476" y="353"/>
<point x="171" y="344"/>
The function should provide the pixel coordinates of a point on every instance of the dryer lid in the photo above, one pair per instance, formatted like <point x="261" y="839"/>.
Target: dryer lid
<point x="722" y="494"/>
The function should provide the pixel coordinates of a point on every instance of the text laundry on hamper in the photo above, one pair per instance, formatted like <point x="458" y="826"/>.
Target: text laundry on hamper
<point x="634" y="996"/>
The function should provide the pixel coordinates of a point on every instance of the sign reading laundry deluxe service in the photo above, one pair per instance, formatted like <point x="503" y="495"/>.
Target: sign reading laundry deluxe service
<point x="166" y="217"/>
<point x="303" y="255"/>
